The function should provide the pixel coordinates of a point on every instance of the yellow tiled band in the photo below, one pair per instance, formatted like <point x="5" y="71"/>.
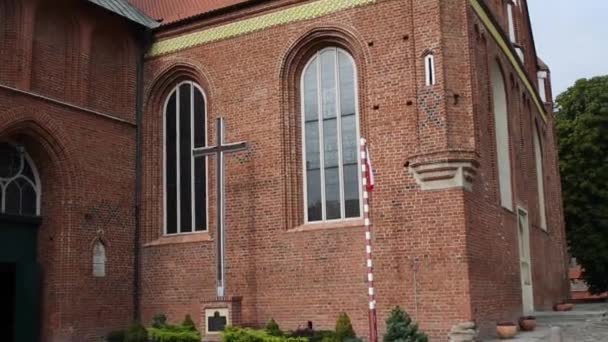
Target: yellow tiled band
<point x="505" y="47"/>
<point x="294" y="14"/>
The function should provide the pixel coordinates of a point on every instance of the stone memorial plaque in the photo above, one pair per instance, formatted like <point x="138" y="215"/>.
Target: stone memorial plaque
<point x="217" y="320"/>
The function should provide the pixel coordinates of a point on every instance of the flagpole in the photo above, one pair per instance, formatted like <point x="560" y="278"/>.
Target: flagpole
<point x="366" y="180"/>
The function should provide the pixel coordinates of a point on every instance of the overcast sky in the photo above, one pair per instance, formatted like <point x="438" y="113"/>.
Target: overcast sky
<point x="571" y="36"/>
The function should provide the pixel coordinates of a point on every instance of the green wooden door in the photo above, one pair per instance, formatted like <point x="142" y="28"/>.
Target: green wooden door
<point x="18" y="256"/>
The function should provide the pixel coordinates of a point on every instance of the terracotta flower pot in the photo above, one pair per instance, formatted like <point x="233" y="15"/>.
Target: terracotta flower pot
<point x="563" y="307"/>
<point x="506" y="330"/>
<point x="527" y="323"/>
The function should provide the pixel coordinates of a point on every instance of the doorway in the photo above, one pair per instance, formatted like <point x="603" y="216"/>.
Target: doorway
<point x="523" y="233"/>
<point x="8" y="279"/>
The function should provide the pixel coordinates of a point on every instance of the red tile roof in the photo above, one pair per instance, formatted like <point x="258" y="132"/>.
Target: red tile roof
<point x="174" y="10"/>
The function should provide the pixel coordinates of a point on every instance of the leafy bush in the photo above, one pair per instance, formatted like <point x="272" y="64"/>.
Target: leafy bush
<point x="401" y="328"/>
<point x="189" y="323"/>
<point x="272" y="328"/>
<point x="313" y="335"/>
<point x="116" y="336"/>
<point x="159" y="320"/>
<point x="172" y="333"/>
<point x="136" y="333"/>
<point x="232" y="334"/>
<point x="344" y="328"/>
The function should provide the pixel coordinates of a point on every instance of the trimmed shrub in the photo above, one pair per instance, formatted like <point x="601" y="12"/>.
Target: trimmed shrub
<point x="159" y="320"/>
<point x="171" y="333"/>
<point x="189" y="323"/>
<point x="116" y="336"/>
<point x="232" y="334"/>
<point x="401" y="328"/>
<point x="136" y="333"/>
<point x="344" y="328"/>
<point x="272" y="328"/>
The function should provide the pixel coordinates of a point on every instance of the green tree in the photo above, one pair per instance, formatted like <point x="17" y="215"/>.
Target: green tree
<point x="582" y="126"/>
<point x="401" y="328"/>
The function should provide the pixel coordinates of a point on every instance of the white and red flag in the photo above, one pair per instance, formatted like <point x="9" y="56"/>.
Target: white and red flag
<point x="370" y="172"/>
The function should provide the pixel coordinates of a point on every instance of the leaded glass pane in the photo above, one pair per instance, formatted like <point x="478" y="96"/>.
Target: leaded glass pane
<point x="351" y="190"/>
<point x="28" y="198"/>
<point x="200" y="169"/>
<point x="10" y="161"/>
<point x="12" y="195"/>
<point x="332" y="193"/>
<point x="185" y="157"/>
<point x="171" y="164"/>
<point x="311" y="94"/>
<point x="347" y="85"/>
<point x="313" y="179"/>
<point x="328" y="83"/>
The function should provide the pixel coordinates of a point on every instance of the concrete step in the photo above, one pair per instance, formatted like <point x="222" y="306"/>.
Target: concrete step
<point x="549" y="318"/>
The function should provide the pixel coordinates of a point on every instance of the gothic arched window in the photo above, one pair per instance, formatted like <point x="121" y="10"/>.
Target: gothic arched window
<point x="501" y="122"/>
<point x="540" y="179"/>
<point x="330" y="126"/>
<point x="19" y="182"/>
<point x="185" y="200"/>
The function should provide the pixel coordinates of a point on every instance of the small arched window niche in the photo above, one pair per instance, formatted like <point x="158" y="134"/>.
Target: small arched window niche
<point x="429" y="69"/>
<point x="330" y="125"/>
<point x="501" y="122"/>
<point x="19" y="182"/>
<point x="185" y="177"/>
<point x="99" y="259"/>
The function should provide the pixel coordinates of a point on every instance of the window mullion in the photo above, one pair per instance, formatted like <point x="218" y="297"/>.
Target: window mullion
<point x="321" y="140"/>
<point x="339" y="136"/>
<point x="176" y="161"/>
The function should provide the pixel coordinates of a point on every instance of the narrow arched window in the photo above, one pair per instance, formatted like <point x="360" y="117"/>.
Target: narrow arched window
<point x="19" y="182"/>
<point x="99" y="259"/>
<point x="429" y="69"/>
<point x="540" y="179"/>
<point x="511" y="21"/>
<point x="330" y="123"/>
<point x="501" y="121"/>
<point x="185" y="177"/>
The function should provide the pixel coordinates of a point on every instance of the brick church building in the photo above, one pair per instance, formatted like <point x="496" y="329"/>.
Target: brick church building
<point x="106" y="215"/>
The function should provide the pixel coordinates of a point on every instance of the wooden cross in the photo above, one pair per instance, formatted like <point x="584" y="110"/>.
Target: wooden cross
<point x="218" y="150"/>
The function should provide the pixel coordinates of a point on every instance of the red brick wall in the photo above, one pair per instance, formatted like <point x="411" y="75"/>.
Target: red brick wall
<point x="86" y="160"/>
<point x="492" y="242"/>
<point x="296" y="275"/>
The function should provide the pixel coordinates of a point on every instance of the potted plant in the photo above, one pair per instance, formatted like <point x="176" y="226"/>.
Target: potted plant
<point x="506" y="330"/>
<point x="527" y="323"/>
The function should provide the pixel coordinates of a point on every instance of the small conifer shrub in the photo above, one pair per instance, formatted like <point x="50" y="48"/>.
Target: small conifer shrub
<point x="401" y="328"/>
<point x="272" y="328"/>
<point x="344" y="328"/>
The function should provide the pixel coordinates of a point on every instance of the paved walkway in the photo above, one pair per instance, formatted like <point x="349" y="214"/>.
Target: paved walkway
<point x="586" y="323"/>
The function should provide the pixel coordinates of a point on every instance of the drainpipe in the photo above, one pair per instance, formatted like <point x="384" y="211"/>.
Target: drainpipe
<point x="139" y="111"/>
